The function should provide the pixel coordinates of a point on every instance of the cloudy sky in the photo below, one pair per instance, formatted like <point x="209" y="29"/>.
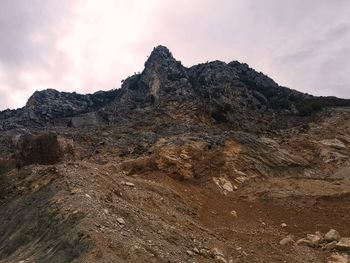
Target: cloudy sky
<point x="89" y="45"/>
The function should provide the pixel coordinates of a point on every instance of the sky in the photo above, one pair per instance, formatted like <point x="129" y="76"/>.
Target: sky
<point x="91" y="45"/>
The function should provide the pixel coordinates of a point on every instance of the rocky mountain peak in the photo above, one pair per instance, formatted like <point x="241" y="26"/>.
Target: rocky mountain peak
<point x="159" y="79"/>
<point x="162" y="62"/>
<point x="159" y="53"/>
<point x="230" y="94"/>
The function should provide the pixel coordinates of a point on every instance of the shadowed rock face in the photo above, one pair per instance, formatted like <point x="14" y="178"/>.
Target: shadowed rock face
<point x="53" y="108"/>
<point x="38" y="149"/>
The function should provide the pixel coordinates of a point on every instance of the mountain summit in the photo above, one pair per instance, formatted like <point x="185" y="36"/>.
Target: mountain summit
<point x="212" y="93"/>
<point x="160" y="53"/>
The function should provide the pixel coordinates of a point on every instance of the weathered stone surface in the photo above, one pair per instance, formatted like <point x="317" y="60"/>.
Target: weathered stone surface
<point x="304" y="242"/>
<point x="53" y="108"/>
<point x="343" y="244"/>
<point x="39" y="149"/>
<point x="332" y="235"/>
<point x="284" y="225"/>
<point x="316" y="239"/>
<point x="329" y="246"/>
<point x="217" y="252"/>
<point x="210" y="93"/>
<point x="339" y="258"/>
<point x="121" y="221"/>
<point x="223" y="183"/>
<point x="287" y="240"/>
<point x="311" y="240"/>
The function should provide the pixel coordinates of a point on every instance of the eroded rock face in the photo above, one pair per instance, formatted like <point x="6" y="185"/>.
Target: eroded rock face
<point x="343" y="244"/>
<point x="53" y="108"/>
<point x="211" y="93"/>
<point x="38" y="149"/>
<point x="166" y="92"/>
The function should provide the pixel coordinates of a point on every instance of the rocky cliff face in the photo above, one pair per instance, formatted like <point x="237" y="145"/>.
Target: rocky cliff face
<point x="230" y="94"/>
<point x="213" y="93"/>
<point x="50" y="107"/>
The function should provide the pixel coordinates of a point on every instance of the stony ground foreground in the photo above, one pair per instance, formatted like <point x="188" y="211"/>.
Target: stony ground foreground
<point x="139" y="194"/>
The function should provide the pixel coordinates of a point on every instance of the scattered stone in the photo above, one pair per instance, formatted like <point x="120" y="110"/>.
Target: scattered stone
<point x="204" y="252"/>
<point x="75" y="191"/>
<point x="121" y="221"/>
<point x="217" y="252"/>
<point x="304" y="242"/>
<point x="227" y="187"/>
<point x="223" y="183"/>
<point x="88" y="196"/>
<point x="343" y="244"/>
<point x="106" y="211"/>
<point x="129" y="184"/>
<point x="287" y="240"/>
<point x="234" y="213"/>
<point x="184" y="156"/>
<point x="284" y="225"/>
<point x="332" y="235"/>
<point x="196" y="250"/>
<point x="311" y="240"/>
<point x="315" y="239"/>
<point x="190" y="253"/>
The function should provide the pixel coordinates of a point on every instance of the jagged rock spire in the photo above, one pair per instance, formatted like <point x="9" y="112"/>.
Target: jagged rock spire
<point x="159" y="53"/>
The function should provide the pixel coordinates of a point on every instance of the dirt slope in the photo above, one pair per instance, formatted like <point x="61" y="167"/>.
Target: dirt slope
<point x="121" y="194"/>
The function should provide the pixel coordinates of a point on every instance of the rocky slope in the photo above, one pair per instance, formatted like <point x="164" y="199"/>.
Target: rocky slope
<point x="212" y="93"/>
<point x="213" y="163"/>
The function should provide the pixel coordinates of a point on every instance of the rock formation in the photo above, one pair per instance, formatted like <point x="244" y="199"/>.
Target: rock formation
<point x="212" y="93"/>
<point x="212" y="163"/>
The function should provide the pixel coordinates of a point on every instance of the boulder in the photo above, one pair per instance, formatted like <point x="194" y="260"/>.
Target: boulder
<point x="332" y="235"/>
<point x="38" y="149"/>
<point x="223" y="184"/>
<point x="343" y="244"/>
<point x="316" y="239"/>
<point x="311" y="240"/>
<point x="287" y="240"/>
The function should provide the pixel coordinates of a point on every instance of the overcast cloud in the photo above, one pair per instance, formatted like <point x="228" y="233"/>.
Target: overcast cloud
<point x="90" y="45"/>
